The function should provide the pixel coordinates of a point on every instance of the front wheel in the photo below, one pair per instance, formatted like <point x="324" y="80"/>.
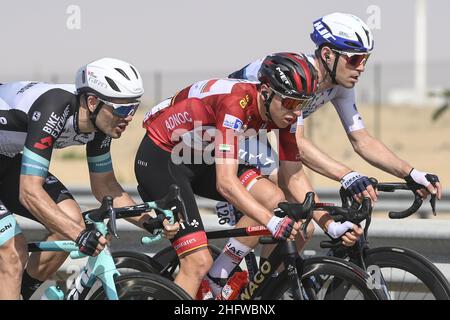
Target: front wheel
<point x="326" y="278"/>
<point x="407" y="275"/>
<point x="144" y="286"/>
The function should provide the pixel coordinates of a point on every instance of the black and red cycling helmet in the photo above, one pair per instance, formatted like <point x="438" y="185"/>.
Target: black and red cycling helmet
<point x="289" y="74"/>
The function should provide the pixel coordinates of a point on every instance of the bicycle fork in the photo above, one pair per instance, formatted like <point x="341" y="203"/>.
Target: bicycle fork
<point x="290" y="259"/>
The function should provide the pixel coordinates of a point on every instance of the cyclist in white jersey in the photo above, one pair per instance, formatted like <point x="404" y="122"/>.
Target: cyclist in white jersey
<point x="37" y="117"/>
<point x="344" y="43"/>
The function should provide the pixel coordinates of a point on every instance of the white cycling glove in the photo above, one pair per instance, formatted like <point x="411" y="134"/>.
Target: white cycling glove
<point x="419" y="177"/>
<point x="337" y="229"/>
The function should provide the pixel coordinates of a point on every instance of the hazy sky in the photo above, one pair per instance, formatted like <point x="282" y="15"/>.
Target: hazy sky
<point x="185" y="35"/>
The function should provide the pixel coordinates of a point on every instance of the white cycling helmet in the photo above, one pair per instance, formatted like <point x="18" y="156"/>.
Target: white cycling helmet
<point x="110" y="78"/>
<point x="344" y="32"/>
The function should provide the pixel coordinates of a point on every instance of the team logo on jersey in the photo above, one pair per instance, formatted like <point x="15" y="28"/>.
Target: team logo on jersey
<point x="26" y="87"/>
<point x="244" y="101"/>
<point x="232" y="122"/>
<point x="36" y="116"/>
<point x="44" y="143"/>
<point x="51" y="180"/>
<point x="105" y="143"/>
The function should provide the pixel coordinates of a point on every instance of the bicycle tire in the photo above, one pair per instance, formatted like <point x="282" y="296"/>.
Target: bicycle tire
<point x="321" y="267"/>
<point x="414" y="263"/>
<point x="144" y="286"/>
<point x="136" y="261"/>
<point x="140" y="262"/>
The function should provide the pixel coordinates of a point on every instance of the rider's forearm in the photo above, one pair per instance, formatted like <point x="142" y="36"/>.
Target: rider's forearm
<point x="377" y="154"/>
<point x="232" y="190"/>
<point x="36" y="200"/>
<point x="323" y="219"/>
<point x="111" y="187"/>
<point x="295" y="181"/>
<point x="316" y="160"/>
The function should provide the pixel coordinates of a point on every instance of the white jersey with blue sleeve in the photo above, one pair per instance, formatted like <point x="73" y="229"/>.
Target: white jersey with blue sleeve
<point x="342" y="98"/>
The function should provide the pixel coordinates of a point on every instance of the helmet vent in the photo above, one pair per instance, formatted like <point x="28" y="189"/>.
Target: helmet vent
<point x="352" y="44"/>
<point x="112" y="84"/>
<point x="367" y="35"/>
<point x="359" y="39"/>
<point x="122" y="73"/>
<point x="135" y="73"/>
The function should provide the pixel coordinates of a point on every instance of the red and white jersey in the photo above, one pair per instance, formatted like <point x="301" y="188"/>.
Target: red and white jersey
<point x="216" y="110"/>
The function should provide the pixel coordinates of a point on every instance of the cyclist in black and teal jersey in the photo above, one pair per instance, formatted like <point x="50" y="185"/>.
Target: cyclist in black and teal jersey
<point x="37" y="117"/>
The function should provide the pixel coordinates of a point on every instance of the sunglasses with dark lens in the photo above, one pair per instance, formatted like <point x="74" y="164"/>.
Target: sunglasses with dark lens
<point x="354" y="59"/>
<point x="122" y="110"/>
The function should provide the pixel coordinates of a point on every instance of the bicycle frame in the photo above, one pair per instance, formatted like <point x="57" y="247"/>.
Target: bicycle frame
<point x="284" y="252"/>
<point x="101" y="267"/>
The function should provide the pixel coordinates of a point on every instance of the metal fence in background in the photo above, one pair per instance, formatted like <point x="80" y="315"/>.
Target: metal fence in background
<point x="377" y="84"/>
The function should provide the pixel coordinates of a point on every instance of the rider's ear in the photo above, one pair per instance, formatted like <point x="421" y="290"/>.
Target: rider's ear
<point x="326" y="53"/>
<point x="265" y="95"/>
<point x="90" y="103"/>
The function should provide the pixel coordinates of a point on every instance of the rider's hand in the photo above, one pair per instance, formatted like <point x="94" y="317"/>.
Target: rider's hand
<point x="350" y="238"/>
<point x="418" y="178"/>
<point x="283" y="228"/>
<point x="170" y="230"/>
<point x="91" y="242"/>
<point x="347" y="231"/>
<point x="359" y="186"/>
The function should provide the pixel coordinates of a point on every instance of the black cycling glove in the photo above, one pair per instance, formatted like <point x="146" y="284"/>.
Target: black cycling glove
<point x="88" y="240"/>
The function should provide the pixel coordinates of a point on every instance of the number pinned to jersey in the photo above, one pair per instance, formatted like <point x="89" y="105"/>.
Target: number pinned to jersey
<point x="232" y="122"/>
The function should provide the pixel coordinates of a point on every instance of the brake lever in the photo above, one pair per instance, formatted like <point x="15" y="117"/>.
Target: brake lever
<point x="304" y="227"/>
<point x="433" y="204"/>
<point x="112" y="223"/>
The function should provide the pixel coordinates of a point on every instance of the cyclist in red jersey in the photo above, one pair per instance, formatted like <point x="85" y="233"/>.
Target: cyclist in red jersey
<point x="192" y="140"/>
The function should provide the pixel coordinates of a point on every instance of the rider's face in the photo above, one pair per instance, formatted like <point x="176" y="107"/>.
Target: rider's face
<point x="281" y="116"/>
<point x="347" y="74"/>
<point x="111" y="124"/>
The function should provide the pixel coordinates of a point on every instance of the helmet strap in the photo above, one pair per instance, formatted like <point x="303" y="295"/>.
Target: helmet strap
<point x="267" y="103"/>
<point x="93" y="114"/>
<point x="332" y="73"/>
